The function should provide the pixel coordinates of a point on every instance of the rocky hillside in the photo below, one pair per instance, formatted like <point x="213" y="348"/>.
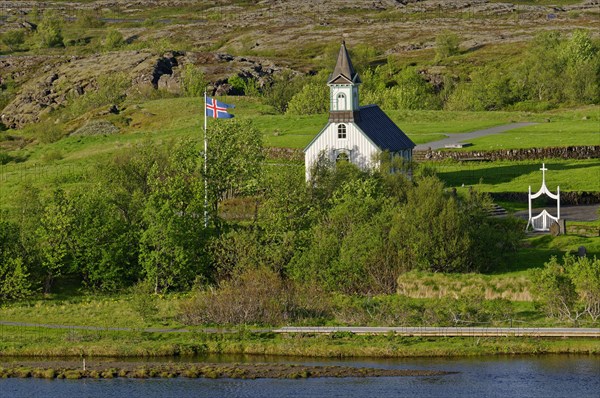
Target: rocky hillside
<point x="51" y="81"/>
<point x="247" y="38"/>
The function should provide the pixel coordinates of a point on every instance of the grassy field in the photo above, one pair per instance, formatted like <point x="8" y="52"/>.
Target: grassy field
<point x="35" y="342"/>
<point x="508" y="176"/>
<point x="70" y="160"/>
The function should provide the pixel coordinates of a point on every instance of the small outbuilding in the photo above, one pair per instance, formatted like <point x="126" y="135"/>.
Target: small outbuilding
<point x="354" y="133"/>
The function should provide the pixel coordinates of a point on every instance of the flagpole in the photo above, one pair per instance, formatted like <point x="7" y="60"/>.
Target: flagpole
<point x="205" y="167"/>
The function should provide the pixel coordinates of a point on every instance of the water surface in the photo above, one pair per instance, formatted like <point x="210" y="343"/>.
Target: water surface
<point x="524" y="376"/>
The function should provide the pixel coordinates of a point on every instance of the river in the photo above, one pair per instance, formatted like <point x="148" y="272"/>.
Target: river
<point x="504" y="376"/>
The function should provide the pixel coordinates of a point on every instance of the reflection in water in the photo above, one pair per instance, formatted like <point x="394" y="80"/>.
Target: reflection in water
<point x="525" y="376"/>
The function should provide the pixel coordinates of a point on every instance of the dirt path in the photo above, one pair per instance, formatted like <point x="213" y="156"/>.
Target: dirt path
<point x="465" y="137"/>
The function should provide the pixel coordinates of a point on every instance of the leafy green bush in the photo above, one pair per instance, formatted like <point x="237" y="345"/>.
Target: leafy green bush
<point x="13" y="39"/>
<point x="14" y="273"/>
<point x="49" y="31"/>
<point x="193" y="81"/>
<point x="312" y="99"/>
<point x="113" y="39"/>
<point x="571" y="290"/>
<point x="110" y="90"/>
<point x="144" y="301"/>
<point x="446" y="44"/>
<point x="281" y="90"/>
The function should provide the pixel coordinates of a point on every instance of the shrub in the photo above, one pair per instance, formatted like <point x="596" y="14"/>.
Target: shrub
<point x="113" y="39"/>
<point x="446" y="44"/>
<point x="193" y="81"/>
<point x="13" y="39"/>
<point x="312" y="99"/>
<point x="49" y="31"/>
<point x="143" y="300"/>
<point x="253" y="296"/>
<point x="281" y="90"/>
<point x="97" y="127"/>
<point x="571" y="290"/>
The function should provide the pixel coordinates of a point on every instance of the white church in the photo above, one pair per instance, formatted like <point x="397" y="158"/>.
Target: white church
<point x="354" y="133"/>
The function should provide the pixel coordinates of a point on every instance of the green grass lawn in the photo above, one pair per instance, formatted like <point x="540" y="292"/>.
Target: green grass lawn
<point x="72" y="159"/>
<point x="506" y="176"/>
<point x="553" y="134"/>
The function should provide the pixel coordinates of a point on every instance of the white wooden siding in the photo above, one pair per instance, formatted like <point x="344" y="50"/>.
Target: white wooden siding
<point x="356" y="144"/>
<point x="341" y="89"/>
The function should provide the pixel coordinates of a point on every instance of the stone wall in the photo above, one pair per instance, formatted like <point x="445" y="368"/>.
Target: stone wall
<point x="294" y="154"/>
<point x="569" y="152"/>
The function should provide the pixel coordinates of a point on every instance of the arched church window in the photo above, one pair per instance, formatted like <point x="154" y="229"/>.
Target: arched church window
<point x="342" y="131"/>
<point x="342" y="157"/>
<point x="341" y="102"/>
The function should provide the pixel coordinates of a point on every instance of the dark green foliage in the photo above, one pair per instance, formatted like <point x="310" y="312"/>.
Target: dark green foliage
<point x="49" y="31"/>
<point x="371" y="228"/>
<point x="446" y="45"/>
<point x="398" y="89"/>
<point x="172" y="243"/>
<point x="571" y="290"/>
<point x="113" y="40"/>
<point x="281" y="90"/>
<point x="14" y="275"/>
<point x="13" y="39"/>
<point x="234" y="161"/>
<point x="101" y="242"/>
<point x="53" y="234"/>
<point x="193" y="81"/>
<point x="312" y="99"/>
<point x="554" y="70"/>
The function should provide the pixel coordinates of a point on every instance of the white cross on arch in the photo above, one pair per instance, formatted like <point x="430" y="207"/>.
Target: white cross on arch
<point x="544" y="169"/>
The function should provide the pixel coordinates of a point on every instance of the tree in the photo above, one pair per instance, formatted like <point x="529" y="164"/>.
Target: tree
<point x="13" y="39"/>
<point x="102" y="243"/>
<point x="431" y="230"/>
<point x="585" y="274"/>
<point x="411" y="92"/>
<point x="173" y="241"/>
<point x="14" y="275"/>
<point x="312" y="99"/>
<point x="583" y="68"/>
<point x="49" y="31"/>
<point x="234" y="160"/>
<point x="489" y="89"/>
<point x="446" y="44"/>
<point x="554" y="288"/>
<point x="53" y="234"/>
<point x="281" y="90"/>
<point x="193" y="81"/>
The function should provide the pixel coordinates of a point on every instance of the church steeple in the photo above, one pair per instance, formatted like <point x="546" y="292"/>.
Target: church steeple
<point x="344" y="71"/>
<point x="343" y="89"/>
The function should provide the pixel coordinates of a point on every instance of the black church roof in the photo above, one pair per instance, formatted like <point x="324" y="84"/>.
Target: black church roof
<point x="381" y="130"/>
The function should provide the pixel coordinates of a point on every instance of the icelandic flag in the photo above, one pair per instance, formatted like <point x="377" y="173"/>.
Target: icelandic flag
<point x="217" y="109"/>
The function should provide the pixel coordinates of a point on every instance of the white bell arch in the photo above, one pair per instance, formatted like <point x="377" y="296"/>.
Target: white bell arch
<point x="544" y="220"/>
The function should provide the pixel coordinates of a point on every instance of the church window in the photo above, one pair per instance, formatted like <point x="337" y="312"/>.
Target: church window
<point x="341" y="102"/>
<point x="342" y="131"/>
<point x="342" y="157"/>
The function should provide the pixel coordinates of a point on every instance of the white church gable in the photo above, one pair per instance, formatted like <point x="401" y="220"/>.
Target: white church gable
<point x="356" y="145"/>
<point x="354" y="133"/>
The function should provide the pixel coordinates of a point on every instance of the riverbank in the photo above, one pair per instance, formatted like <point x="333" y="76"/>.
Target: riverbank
<point x="109" y="369"/>
<point x="41" y="342"/>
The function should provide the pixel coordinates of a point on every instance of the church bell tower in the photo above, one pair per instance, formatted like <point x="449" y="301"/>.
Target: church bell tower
<point x="343" y="90"/>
